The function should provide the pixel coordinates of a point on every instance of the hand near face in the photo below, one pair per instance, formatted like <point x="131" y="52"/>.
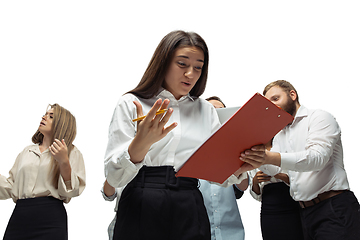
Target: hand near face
<point x="150" y="130"/>
<point x="59" y="151"/>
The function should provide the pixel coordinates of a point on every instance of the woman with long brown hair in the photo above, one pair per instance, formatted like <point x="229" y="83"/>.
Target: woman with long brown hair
<point x="144" y="155"/>
<point x="44" y="176"/>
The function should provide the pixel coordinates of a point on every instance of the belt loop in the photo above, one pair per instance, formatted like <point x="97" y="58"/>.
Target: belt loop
<point x="169" y="170"/>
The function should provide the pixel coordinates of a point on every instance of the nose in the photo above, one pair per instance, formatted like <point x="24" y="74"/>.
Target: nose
<point x="189" y="73"/>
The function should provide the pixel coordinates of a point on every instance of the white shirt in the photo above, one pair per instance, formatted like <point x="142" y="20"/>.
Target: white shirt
<point x="311" y="150"/>
<point x="30" y="176"/>
<point x="269" y="170"/>
<point x="196" y="118"/>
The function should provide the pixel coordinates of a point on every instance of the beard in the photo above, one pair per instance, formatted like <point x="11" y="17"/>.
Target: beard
<point x="290" y="106"/>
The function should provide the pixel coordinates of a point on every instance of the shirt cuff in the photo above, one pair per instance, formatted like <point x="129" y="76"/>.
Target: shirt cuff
<point x="288" y="161"/>
<point x="120" y="170"/>
<point x="270" y="170"/>
<point x="255" y="196"/>
<point x="108" y="198"/>
<point x="234" y="180"/>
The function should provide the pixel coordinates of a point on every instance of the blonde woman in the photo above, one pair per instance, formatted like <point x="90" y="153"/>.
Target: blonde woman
<point x="45" y="174"/>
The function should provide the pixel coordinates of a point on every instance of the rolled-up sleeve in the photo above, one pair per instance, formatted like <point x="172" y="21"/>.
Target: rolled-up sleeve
<point x="119" y="169"/>
<point x="76" y="185"/>
<point x="5" y="187"/>
<point x="252" y="174"/>
<point x="6" y="184"/>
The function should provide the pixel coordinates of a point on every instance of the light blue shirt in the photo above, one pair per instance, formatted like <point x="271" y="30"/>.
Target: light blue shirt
<point x="223" y="212"/>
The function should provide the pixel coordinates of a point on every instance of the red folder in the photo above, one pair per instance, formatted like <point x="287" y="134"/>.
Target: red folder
<point x="256" y="122"/>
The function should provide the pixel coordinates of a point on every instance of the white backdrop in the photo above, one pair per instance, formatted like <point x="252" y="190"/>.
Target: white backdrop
<point x="85" y="54"/>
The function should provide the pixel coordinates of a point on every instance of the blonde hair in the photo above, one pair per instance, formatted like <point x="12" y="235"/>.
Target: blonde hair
<point x="63" y="127"/>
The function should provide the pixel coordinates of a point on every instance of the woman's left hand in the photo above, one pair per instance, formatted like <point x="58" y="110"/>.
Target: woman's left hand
<point x="60" y="151"/>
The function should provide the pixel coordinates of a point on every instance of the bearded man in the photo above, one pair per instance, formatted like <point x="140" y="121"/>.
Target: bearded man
<point x="310" y="150"/>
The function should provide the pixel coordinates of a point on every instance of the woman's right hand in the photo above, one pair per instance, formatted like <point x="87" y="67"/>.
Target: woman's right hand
<point x="261" y="177"/>
<point x="150" y="130"/>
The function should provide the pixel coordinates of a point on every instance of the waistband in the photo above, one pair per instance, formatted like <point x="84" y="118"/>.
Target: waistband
<point x="321" y="197"/>
<point x="277" y="186"/>
<point x="37" y="201"/>
<point x="162" y="177"/>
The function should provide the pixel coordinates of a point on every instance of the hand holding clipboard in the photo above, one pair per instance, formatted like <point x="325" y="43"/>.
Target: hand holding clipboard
<point x="255" y="123"/>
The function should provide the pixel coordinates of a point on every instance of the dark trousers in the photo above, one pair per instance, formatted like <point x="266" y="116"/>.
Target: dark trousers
<point x="40" y="218"/>
<point x="157" y="205"/>
<point x="280" y="214"/>
<point x="335" y="218"/>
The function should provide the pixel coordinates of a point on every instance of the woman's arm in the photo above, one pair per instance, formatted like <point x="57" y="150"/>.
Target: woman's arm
<point x="150" y="130"/>
<point x="75" y="172"/>
<point x="108" y="189"/>
<point x="129" y="142"/>
<point x="6" y="184"/>
<point x="283" y="177"/>
<point x="59" y="151"/>
<point x="259" y="178"/>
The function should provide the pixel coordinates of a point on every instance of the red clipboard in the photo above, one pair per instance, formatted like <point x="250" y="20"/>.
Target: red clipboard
<point x="256" y="122"/>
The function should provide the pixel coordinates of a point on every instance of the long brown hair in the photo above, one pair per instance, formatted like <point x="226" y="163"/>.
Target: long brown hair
<point x="63" y="127"/>
<point x="154" y="75"/>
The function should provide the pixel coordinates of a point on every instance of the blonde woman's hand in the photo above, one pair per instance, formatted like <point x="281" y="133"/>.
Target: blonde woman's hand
<point x="60" y="151"/>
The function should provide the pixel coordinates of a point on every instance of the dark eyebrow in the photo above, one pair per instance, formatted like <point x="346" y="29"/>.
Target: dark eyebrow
<point x="183" y="56"/>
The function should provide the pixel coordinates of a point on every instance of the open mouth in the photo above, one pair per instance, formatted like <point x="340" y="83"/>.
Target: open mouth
<point x="186" y="83"/>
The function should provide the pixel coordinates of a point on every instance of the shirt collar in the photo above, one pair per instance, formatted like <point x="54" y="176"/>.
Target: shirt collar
<point x="302" y="112"/>
<point x="36" y="149"/>
<point x="166" y="94"/>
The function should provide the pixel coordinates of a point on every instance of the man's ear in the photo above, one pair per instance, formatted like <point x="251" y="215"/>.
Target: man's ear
<point x="293" y="95"/>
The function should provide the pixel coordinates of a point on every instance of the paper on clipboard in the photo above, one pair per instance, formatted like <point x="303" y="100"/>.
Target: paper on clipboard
<point x="225" y="114"/>
<point x="256" y="122"/>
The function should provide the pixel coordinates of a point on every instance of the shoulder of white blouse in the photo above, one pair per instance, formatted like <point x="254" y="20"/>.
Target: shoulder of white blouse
<point x="75" y="152"/>
<point x="128" y="98"/>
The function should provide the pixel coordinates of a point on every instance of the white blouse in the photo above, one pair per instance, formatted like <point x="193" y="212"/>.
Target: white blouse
<point x="196" y="118"/>
<point x="269" y="170"/>
<point x="30" y="176"/>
